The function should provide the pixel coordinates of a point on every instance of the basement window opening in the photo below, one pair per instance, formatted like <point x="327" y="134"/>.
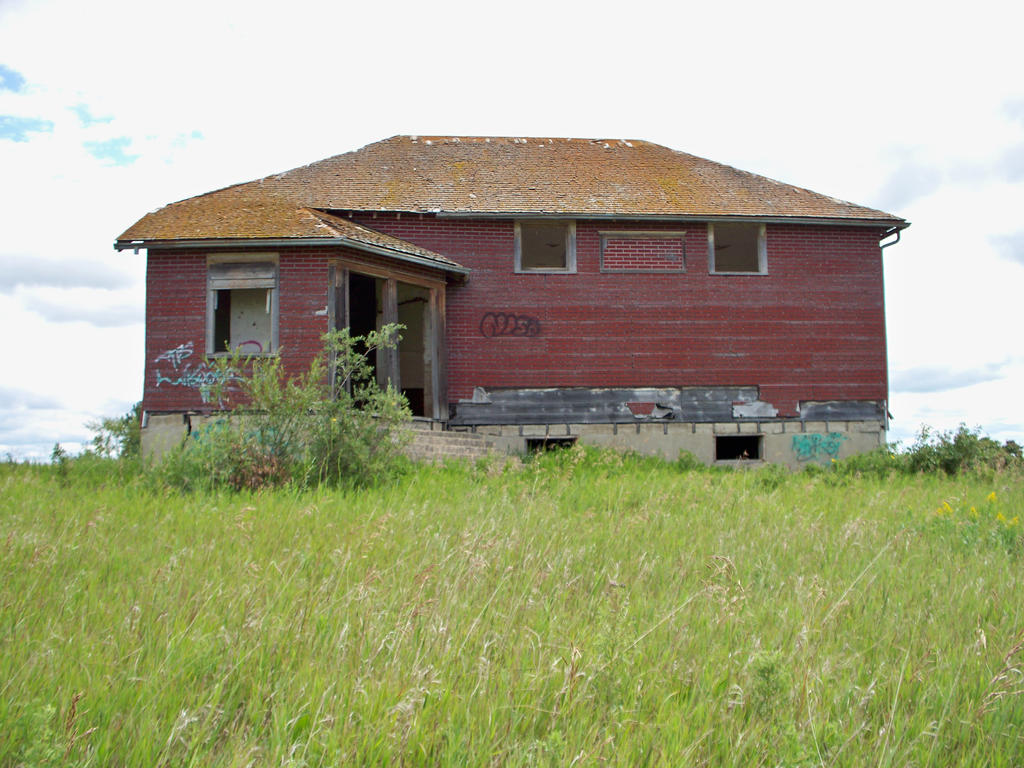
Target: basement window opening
<point x="739" y="447"/>
<point x="542" y="444"/>
<point x="737" y="248"/>
<point x="545" y="246"/>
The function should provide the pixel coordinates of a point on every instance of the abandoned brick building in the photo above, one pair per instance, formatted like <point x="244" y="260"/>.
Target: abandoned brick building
<point x="603" y="291"/>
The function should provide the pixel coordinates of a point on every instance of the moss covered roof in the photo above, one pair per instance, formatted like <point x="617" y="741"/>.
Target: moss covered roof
<point x="493" y="176"/>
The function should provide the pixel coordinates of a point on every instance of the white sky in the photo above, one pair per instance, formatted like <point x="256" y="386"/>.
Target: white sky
<point x="111" y="109"/>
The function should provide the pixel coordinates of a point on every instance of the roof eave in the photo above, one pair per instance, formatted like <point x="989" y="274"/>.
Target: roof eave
<point x="266" y="242"/>
<point x="886" y="222"/>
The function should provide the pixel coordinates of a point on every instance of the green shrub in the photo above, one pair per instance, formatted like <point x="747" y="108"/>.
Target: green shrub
<point x="770" y="680"/>
<point x="934" y="451"/>
<point x="307" y="429"/>
<point x="689" y="462"/>
<point x="119" y="436"/>
<point x="959" y="451"/>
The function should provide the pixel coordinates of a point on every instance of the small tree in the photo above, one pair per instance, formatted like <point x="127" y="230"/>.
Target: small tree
<point x="332" y="423"/>
<point x="117" y="436"/>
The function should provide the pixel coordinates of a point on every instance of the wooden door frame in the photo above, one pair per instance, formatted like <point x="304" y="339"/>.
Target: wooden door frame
<point x="338" y="317"/>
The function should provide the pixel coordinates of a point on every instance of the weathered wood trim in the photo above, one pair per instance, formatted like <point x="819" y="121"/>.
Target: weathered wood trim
<point x="438" y="301"/>
<point x="376" y="269"/>
<point x="570" y="249"/>
<point x="762" y="251"/>
<point x="391" y="372"/>
<point x="232" y="271"/>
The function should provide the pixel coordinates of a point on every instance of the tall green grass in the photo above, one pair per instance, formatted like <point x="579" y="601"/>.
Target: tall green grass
<point x="577" y="609"/>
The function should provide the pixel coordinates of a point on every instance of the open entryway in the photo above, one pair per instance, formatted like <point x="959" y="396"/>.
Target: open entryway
<point x="366" y="298"/>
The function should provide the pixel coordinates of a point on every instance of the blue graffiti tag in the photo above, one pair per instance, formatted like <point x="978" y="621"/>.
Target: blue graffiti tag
<point x="815" y="446"/>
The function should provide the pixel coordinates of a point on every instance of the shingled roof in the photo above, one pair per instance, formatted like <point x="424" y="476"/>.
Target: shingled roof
<point x="476" y="176"/>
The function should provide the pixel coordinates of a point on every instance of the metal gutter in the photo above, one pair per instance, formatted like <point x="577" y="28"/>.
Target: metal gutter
<point x="831" y="221"/>
<point x="136" y="245"/>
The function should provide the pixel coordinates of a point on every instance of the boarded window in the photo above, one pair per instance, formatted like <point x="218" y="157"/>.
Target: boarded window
<point x="643" y="251"/>
<point x="737" y="247"/>
<point x="242" y="307"/>
<point x="545" y="246"/>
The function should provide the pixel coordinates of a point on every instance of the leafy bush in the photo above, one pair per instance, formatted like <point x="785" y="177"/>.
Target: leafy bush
<point x="119" y="436"/>
<point x="959" y="451"/>
<point x="306" y="429"/>
<point x="935" y="451"/>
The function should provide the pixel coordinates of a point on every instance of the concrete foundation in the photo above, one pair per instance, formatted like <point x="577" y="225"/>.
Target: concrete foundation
<point x="790" y="442"/>
<point x="793" y="443"/>
<point x="161" y="432"/>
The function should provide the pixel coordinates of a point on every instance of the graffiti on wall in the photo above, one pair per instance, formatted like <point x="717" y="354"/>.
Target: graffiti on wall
<point x="814" y="446"/>
<point x="199" y="376"/>
<point x="178" y="354"/>
<point x="507" y="324"/>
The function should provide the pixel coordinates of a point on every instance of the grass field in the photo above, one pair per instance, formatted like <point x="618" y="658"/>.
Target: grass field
<point x="579" y="609"/>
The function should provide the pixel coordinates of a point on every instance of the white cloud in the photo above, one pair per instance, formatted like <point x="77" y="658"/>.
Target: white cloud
<point x="31" y="271"/>
<point x="1010" y="246"/>
<point x="941" y="378"/>
<point x="101" y="314"/>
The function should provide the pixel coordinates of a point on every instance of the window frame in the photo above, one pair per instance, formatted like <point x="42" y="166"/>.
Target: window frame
<point x="216" y="283"/>
<point x="570" y="248"/>
<point x="762" y="250"/>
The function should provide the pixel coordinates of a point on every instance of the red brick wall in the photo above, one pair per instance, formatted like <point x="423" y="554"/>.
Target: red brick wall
<point x="813" y="328"/>
<point x="643" y="253"/>
<point x="176" y="319"/>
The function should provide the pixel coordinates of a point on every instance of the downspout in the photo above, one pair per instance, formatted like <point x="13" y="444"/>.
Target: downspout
<point x="897" y="230"/>
<point x="883" y="246"/>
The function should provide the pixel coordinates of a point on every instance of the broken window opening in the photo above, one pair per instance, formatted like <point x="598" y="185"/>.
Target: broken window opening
<point x="737" y="248"/>
<point x="739" y="447"/>
<point x="545" y="246"/>
<point x="543" y="444"/>
<point x="242" y="307"/>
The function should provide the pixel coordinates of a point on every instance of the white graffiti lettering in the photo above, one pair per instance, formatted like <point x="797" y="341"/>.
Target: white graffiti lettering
<point x="176" y="355"/>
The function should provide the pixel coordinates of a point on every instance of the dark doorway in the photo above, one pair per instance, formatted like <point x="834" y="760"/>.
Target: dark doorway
<point x="364" y="308"/>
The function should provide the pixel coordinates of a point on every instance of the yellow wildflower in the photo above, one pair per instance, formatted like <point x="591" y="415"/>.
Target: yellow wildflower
<point x="991" y="498"/>
<point x="974" y="513"/>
